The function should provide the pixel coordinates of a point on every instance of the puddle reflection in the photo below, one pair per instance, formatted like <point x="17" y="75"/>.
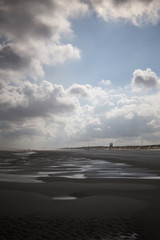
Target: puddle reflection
<point x="54" y="165"/>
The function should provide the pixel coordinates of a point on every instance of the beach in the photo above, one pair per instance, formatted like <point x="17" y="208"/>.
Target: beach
<point x="80" y="194"/>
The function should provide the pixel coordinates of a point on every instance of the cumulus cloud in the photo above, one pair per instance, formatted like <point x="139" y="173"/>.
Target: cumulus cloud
<point x="31" y="101"/>
<point x="145" y="78"/>
<point x="9" y="59"/>
<point x="137" y="12"/>
<point x="80" y="90"/>
<point x="30" y="34"/>
<point x="55" y="115"/>
<point x="129" y="118"/>
<point x="31" y="31"/>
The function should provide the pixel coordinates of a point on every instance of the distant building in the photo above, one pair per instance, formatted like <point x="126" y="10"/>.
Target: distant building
<point x="110" y="145"/>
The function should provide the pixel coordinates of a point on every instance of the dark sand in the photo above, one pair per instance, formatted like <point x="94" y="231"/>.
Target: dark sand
<point x="101" y="208"/>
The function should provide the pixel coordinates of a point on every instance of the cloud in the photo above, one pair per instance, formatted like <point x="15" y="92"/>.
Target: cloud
<point x="9" y="59"/>
<point x="117" y="2"/>
<point x="137" y="12"/>
<point x="21" y="133"/>
<point x="145" y="78"/>
<point x="80" y="90"/>
<point x="125" y="121"/>
<point x="36" y="33"/>
<point x="31" y="32"/>
<point x="106" y="82"/>
<point x="31" y="101"/>
<point x="53" y="116"/>
<point x="30" y="35"/>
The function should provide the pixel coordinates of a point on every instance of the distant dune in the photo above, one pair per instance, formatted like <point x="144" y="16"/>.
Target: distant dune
<point x="129" y="147"/>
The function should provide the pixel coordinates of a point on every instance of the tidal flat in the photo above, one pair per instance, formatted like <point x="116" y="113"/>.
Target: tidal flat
<point x="80" y="194"/>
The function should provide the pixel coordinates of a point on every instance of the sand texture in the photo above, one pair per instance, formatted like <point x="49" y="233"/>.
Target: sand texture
<point x="65" y="205"/>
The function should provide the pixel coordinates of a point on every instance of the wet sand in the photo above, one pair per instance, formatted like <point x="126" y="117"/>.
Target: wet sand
<point x="89" y="208"/>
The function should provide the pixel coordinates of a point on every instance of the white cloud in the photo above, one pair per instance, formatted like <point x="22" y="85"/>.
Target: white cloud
<point x="97" y="129"/>
<point x="127" y="118"/>
<point x="31" y="36"/>
<point x="60" y="53"/>
<point x="55" y="117"/>
<point x="145" y="79"/>
<point x="137" y="12"/>
<point x="34" y="36"/>
<point x="106" y="82"/>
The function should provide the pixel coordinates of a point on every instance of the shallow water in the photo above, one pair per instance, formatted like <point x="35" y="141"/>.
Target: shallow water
<point x="62" y="198"/>
<point x="29" y="166"/>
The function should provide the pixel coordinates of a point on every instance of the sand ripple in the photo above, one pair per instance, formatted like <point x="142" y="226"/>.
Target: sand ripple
<point x="38" y="227"/>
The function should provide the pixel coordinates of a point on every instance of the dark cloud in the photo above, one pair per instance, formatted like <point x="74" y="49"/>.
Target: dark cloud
<point x="79" y="90"/>
<point x="35" y="109"/>
<point x="148" y="82"/>
<point x="21" y="133"/>
<point x="145" y="78"/>
<point x="119" y="128"/>
<point x="118" y="2"/>
<point x="5" y="125"/>
<point x="30" y="35"/>
<point x="22" y="23"/>
<point x="10" y="60"/>
<point x="19" y="18"/>
<point x="32" y="101"/>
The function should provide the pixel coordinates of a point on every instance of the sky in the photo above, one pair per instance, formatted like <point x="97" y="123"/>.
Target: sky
<point x="79" y="72"/>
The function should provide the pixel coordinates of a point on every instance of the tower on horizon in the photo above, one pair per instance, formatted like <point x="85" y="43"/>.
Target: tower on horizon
<point x="110" y="145"/>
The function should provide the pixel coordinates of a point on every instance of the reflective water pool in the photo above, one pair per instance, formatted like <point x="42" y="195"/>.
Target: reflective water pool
<point x="29" y="166"/>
